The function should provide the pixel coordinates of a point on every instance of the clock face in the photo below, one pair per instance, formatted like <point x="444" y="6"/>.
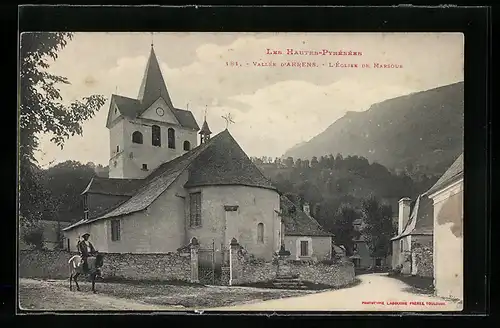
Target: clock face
<point x="160" y="111"/>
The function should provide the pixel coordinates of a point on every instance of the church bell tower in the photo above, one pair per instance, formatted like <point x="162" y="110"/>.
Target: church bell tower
<point x="148" y="131"/>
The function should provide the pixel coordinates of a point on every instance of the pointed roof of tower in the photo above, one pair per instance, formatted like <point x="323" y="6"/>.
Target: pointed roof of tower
<point x="205" y="129"/>
<point x="153" y="86"/>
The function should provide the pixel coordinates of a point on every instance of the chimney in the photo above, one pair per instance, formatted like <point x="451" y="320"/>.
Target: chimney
<point x="306" y="209"/>
<point x="403" y="213"/>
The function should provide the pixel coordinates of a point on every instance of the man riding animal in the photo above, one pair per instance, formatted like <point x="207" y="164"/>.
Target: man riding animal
<point x="88" y="262"/>
<point x="86" y="249"/>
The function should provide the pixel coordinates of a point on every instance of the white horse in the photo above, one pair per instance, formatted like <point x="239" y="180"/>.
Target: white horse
<point x="76" y="269"/>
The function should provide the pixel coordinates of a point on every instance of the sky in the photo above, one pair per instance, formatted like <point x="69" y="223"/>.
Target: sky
<point x="273" y="107"/>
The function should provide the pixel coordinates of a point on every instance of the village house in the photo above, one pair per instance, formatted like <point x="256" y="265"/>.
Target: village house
<point x="303" y="235"/>
<point x="447" y="197"/>
<point x="412" y="247"/>
<point x="164" y="189"/>
<point x="362" y="257"/>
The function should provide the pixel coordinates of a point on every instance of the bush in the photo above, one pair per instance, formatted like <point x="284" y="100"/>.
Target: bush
<point x="32" y="235"/>
<point x="396" y="271"/>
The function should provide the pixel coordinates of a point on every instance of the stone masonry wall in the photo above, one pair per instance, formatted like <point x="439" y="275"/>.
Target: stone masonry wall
<point x="54" y="264"/>
<point x="334" y="274"/>
<point x="423" y="251"/>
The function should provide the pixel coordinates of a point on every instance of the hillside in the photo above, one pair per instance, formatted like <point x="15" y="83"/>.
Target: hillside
<point x="419" y="129"/>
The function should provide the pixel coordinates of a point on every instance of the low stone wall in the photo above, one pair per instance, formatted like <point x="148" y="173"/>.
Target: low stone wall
<point x="54" y="265"/>
<point x="44" y="264"/>
<point x="170" y="266"/>
<point x="253" y="271"/>
<point x="334" y="274"/>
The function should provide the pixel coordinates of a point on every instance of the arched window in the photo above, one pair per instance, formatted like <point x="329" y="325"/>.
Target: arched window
<point x="156" y="135"/>
<point x="260" y="233"/>
<point x="137" y="137"/>
<point x="187" y="145"/>
<point x="171" y="138"/>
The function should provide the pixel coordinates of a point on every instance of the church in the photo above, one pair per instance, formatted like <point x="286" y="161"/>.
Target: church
<point x="164" y="188"/>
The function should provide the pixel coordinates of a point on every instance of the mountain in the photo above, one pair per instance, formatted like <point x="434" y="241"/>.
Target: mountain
<point x="423" y="129"/>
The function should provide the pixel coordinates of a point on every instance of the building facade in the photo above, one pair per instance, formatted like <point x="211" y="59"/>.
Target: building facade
<point x="447" y="197"/>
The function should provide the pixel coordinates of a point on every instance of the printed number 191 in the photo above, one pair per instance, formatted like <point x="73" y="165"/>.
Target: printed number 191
<point x="232" y="63"/>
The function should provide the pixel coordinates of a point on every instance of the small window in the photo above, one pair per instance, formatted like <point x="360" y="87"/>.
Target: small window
<point x="401" y="244"/>
<point x="378" y="262"/>
<point x="137" y="137"/>
<point x="115" y="230"/>
<point x="156" y="136"/>
<point x="195" y="209"/>
<point x="69" y="248"/>
<point x="187" y="145"/>
<point x="260" y="232"/>
<point x="144" y="167"/>
<point x="355" y="247"/>
<point x="171" y="138"/>
<point x="117" y="149"/>
<point x="86" y="215"/>
<point x="304" y="248"/>
<point x="115" y="163"/>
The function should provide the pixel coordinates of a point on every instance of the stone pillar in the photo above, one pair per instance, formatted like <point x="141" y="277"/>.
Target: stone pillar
<point x="284" y="269"/>
<point x="234" y="263"/>
<point x="194" y="246"/>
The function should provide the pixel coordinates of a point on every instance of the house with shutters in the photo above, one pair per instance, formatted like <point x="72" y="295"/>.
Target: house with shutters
<point x="164" y="188"/>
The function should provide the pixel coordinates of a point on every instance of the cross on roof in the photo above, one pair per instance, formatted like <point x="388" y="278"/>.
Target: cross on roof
<point x="229" y="119"/>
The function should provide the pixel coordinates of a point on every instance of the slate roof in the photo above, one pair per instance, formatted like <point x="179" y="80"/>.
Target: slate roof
<point x="205" y="129"/>
<point x="421" y="219"/>
<point x="225" y="163"/>
<point x="299" y="223"/>
<point x="152" y="87"/>
<point x="111" y="186"/>
<point x="213" y="158"/>
<point x="454" y="172"/>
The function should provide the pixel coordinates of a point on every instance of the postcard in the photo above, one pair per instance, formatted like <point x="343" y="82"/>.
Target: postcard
<point x="241" y="171"/>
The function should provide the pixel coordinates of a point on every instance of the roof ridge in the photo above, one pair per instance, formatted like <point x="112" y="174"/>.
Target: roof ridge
<point x="248" y="158"/>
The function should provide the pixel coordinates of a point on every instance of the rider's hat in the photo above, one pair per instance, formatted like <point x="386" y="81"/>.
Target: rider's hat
<point x="86" y="234"/>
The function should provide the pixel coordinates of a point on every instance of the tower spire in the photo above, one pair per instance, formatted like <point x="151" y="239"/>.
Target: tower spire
<point x="205" y="130"/>
<point x="153" y="85"/>
<point x="152" y="39"/>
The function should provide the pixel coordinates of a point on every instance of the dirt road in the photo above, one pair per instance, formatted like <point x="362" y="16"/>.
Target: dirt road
<point x="48" y="296"/>
<point x="387" y="293"/>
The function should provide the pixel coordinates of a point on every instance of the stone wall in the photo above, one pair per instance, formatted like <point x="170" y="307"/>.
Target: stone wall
<point x="54" y="265"/>
<point x="332" y="274"/>
<point x="246" y="269"/>
<point x="254" y="271"/>
<point x="423" y="253"/>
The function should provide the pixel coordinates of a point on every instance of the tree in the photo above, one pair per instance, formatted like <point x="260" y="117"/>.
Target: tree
<point x="42" y="111"/>
<point x="378" y="228"/>
<point x="66" y="181"/>
<point x="343" y="226"/>
<point x="314" y="162"/>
